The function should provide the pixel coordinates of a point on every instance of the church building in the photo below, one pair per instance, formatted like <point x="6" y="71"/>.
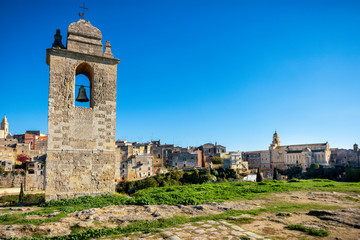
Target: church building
<point x="287" y="156"/>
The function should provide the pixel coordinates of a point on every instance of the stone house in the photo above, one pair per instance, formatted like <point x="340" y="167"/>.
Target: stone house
<point x="137" y="167"/>
<point x="345" y="157"/>
<point x="34" y="178"/>
<point x="186" y="159"/>
<point x="209" y="151"/>
<point x="234" y="161"/>
<point x="253" y="158"/>
<point x="36" y="140"/>
<point x="162" y="153"/>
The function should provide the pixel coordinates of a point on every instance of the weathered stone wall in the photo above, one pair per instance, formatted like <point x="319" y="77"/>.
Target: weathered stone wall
<point x="81" y="141"/>
<point x="72" y="174"/>
<point x="34" y="182"/>
<point x="11" y="180"/>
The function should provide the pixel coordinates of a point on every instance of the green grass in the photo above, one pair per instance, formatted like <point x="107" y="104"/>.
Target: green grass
<point x="154" y="226"/>
<point x="309" y="231"/>
<point x="29" y="198"/>
<point x="244" y="238"/>
<point x="186" y="195"/>
<point x="352" y="199"/>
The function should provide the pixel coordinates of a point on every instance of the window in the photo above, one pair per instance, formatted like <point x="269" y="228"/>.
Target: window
<point x="83" y="83"/>
<point x="31" y="171"/>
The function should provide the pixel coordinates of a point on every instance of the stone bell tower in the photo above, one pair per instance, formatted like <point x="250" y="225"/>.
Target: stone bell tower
<point x="81" y="141"/>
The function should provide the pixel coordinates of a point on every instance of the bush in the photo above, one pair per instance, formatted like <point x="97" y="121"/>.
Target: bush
<point x="217" y="160"/>
<point x="27" y="199"/>
<point x="294" y="180"/>
<point x="314" y="166"/>
<point x="352" y="175"/>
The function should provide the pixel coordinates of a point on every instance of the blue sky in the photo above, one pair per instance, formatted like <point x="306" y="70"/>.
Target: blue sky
<point x="197" y="71"/>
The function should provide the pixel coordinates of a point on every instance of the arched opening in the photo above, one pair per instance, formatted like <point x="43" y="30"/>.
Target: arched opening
<point x="83" y="86"/>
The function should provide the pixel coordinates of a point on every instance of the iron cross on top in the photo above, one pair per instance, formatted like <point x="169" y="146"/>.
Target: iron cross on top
<point x="82" y="15"/>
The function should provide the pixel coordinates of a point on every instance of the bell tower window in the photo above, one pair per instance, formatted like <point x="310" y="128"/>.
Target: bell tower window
<point x="83" y="86"/>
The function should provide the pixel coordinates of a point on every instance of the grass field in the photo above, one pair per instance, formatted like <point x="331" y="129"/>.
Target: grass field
<point x="186" y="195"/>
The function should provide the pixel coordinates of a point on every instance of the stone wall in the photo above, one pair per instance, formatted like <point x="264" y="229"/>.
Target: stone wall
<point x="11" y="180"/>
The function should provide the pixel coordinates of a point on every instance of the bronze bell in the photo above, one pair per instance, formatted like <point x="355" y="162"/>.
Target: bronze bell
<point x="82" y="95"/>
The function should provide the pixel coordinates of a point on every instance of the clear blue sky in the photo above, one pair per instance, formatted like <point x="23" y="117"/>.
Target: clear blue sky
<point x="197" y="71"/>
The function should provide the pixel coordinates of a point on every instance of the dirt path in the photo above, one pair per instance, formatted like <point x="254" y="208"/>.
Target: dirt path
<point x="9" y="191"/>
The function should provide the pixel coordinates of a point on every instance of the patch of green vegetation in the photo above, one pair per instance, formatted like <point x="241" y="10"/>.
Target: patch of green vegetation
<point x="178" y="178"/>
<point x="217" y="160"/>
<point x="352" y="199"/>
<point x="5" y="210"/>
<point x="18" y="218"/>
<point x="241" y="220"/>
<point x="186" y="195"/>
<point x="27" y="198"/>
<point x="97" y="223"/>
<point x="244" y="238"/>
<point x="277" y="207"/>
<point x="309" y="231"/>
<point x="78" y="229"/>
<point x="154" y="226"/>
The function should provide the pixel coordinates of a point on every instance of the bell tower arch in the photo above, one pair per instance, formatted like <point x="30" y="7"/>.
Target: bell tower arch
<point x="81" y="141"/>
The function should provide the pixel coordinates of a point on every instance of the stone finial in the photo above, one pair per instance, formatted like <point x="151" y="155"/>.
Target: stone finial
<point x="108" y="52"/>
<point x="57" y="40"/>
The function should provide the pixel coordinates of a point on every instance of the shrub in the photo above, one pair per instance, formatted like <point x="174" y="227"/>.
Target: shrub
<point x="294" y="180"/>
<point x="314" y="166"/>
<point x="217" y="160"/>
<point x="352" y="175"/>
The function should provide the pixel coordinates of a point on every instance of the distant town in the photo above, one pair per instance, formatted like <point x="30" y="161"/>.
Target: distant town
<point x="23" y="158"/>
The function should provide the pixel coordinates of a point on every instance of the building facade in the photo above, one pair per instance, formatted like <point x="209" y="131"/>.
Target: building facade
<point x="136" y="167"/>
<point x="283" y="157"/>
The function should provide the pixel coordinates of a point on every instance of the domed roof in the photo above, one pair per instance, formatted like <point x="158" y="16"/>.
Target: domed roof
<point x="85" y="29"/>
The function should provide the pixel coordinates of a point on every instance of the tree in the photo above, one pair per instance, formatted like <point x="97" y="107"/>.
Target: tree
<point x="259" y="177"/>
<point x="217" y="160"/>
<point x="21" y="195"/>
<point x="22" y="158"/>
<point x="314" y="166"/>
<point x="275" y="176"/>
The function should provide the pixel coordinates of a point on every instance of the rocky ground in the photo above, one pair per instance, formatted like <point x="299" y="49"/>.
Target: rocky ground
<point x="342" y="223"/>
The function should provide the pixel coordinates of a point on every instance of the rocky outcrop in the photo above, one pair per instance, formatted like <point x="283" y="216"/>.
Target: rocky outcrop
<point x="349" y="217"/>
